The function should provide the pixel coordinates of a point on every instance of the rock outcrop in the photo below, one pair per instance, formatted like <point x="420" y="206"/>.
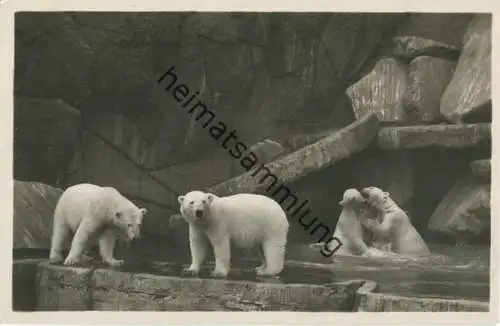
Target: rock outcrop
<point x="34" y="205"/>
<point x="464" y="211"/>
<point x="469" y="92"/>
<point x="481" y="168"/>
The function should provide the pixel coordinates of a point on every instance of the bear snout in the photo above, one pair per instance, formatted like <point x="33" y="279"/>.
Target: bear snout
<point x="198" y="213"/>
<point x="365" y="193"/>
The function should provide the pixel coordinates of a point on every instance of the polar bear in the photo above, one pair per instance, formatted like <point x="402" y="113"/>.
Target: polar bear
<point x="349" y="230"/>
<point x="393" y="224"/>
<point x="93" y="213"/>
<point x="243" y="219"/>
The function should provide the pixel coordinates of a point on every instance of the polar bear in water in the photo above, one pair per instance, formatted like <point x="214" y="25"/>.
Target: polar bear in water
<point x="395" y="224"/>
<point x="349" y="229"/>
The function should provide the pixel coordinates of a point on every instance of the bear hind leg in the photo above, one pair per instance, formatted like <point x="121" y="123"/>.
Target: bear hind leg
<point x="262" y="256"/>
<point x="86" y="230"/>
<point x="274" y="252"/>
<point x="107" y="241"/>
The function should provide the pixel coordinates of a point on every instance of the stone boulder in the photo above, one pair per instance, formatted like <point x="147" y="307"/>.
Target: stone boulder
<point x="45" y="135"/>
<point x="481" y="168"/>
<point x="447" y="136"/>
<point x="428" y="78"/>
<point x="469" y="92"/>
<point x="381" y="92"/>
<point x="464" y="211"/>
<point x="34" y="205"/>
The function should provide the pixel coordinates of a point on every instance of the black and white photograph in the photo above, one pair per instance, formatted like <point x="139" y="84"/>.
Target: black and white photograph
<point x="250" y="161"/>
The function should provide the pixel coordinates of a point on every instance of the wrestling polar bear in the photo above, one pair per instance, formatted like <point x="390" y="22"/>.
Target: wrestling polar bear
<point x="92" y="213"/>
<point x="349" y="229"/>
<point x="244" y="219"/>
<point x="395" y="224"/>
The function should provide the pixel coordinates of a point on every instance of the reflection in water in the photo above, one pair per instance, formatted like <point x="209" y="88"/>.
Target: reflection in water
<point x="449" y="272"/>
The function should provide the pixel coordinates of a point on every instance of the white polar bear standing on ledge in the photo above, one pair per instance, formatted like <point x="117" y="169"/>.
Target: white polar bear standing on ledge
<point x="244" y="219"/>
<point x="92" y="213"/>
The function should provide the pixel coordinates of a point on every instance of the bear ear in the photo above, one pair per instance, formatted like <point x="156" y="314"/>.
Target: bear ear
<point x="143" y="211"/>
<point x="180" y="199"/>
<point x="210" y="197"/>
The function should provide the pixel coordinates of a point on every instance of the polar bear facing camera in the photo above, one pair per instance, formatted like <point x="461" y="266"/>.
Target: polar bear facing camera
<point x="93" y="213"/>
<point x="246" y="220"/>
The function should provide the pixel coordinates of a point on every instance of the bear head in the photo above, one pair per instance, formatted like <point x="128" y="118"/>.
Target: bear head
<point x="195" y="205"/>
<point x="374" y="196"/>
<point x="129" y="219"/>
<point x="352" y="196"/>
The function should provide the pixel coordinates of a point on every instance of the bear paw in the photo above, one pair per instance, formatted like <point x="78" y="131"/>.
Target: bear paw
<point x="114" y="262"/>
<point x="219" y="273"/>
<point x="265" y="272"/>
<point x="260" y="269"/>
<point x="191" y="270"/>
<point x="71" y="261"/>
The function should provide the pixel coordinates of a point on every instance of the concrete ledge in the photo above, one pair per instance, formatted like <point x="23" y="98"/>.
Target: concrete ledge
<point x="447" y="136"/>
<point x="24" y="283"/>
<point x="63" y="289"/>
<point x="367" y="300"/>
<point x="68" y="288"/>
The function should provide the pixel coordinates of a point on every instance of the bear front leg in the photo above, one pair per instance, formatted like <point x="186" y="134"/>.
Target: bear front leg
<point x="81" y="239"/>
<point x="197" y="244"/>
<point x="222" y="252"/>
<point x="107" y="241"/>
<point x="60" y="235"/>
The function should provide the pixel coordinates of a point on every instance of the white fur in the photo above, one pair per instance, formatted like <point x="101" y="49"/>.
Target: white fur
<point x="348" y="229"/>
<point x="93" y="213"/>
<point x="243" y="219"/>
<point x="394" y="224"/>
